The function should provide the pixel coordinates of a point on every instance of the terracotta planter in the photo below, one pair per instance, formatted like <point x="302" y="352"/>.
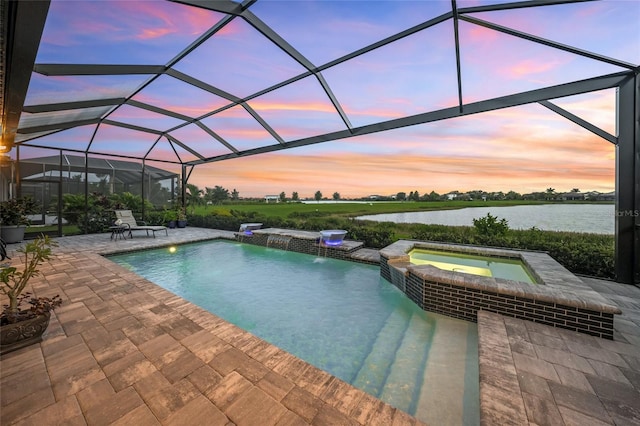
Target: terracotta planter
<point x="12" y="233"/>
<point x="24" y="333"/>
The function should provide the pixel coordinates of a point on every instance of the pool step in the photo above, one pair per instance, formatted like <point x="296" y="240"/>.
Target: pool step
<point x="405" y="377"/>
<point x="374" y="369"/>
<point x="452" y="365"/>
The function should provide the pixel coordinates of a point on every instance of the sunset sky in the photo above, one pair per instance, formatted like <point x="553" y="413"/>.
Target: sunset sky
<point x="527" y="148"/>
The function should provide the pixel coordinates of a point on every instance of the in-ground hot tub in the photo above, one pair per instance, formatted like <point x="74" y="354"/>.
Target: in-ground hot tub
<point x="487" y="266"/>
<point x="559" y="299"/>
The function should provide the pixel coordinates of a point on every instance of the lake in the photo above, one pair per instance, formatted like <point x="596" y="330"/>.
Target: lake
<point x="592" y="218"/>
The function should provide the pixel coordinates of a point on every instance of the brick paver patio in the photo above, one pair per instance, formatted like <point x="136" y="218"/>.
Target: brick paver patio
<point x="122" y="350"/>
<point x="535" y="374"/>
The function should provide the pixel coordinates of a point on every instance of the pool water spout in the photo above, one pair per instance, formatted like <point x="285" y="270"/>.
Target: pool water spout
<point x="278" y="241"/>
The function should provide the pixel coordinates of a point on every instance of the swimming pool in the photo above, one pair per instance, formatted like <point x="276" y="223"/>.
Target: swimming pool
<point x="340" y="316"/>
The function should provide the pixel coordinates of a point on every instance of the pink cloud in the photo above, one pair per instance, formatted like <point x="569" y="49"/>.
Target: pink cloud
<point x="188" y="106"/>
<point x="248" y="133"/>
<point x="527" y="67"/>
<point x="480" y="35"/>
<point x="144" y="20"/>
<point x="149" y="33"/>
<point x="166" y="18"/>
<point x="382" y="113"/>
<point x="292" y="106"/>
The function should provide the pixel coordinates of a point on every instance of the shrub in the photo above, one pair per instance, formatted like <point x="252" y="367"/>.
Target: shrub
<point x="100" y="210"/>
<point x="73" y="207"/>
<point x="490" y="225"/>
<point x="304" y="215"/>
<point x="374" y="237"/>
<point x="215" y="221"/>
<point x="98" y="216"/>
<point x="155" y="218"/>
<point x="15" y="211"/>
<point x="129" y="201"/>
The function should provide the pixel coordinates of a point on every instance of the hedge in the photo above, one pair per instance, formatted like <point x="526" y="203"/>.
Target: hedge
<point x="585" y="254"/>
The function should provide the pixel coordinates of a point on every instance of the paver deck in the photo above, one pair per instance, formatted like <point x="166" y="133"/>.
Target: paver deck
<point x="535" y="374"/>
<point x="122" y="350"/>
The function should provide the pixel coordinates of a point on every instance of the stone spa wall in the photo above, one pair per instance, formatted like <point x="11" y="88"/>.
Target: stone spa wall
<point x="559" y="299"/>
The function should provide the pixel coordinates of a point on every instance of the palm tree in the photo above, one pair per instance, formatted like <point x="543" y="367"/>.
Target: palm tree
<point x="216" y="195"/>
<point x="208" y="196"/>
<point x="550" y="193"/>
<point x="194" y="195"/>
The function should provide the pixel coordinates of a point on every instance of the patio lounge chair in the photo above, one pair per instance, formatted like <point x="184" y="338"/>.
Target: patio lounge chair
<point x="127" y="218"/>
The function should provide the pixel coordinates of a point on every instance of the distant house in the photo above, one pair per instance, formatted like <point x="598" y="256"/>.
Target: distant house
<point x="270" y="198"/>
<point x="574" y="196"/>
<point x="604" y="196"/>
<point x="451" y="195"/>
<point x="457" y="195"/>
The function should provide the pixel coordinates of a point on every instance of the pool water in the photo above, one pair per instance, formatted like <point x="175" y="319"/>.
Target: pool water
<point x="340" y="316"/>
<point x="498" y="267"/>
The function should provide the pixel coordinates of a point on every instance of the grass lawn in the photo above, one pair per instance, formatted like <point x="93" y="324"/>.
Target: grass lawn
<point x="33" y="231"/>
<point x="352" y="209"/>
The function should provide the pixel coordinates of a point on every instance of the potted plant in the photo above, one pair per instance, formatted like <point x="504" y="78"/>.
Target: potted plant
<point x="14" y="219"/>
<point x="170" y="218"/>
<point x="182" y="217"/>
<point x="25" y="318"/>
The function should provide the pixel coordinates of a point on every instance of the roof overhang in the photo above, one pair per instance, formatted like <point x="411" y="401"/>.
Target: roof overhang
<point x="22" y="27"/>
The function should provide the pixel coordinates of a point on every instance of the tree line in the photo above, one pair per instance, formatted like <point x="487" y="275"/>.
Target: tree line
<point x="219" y="194"/>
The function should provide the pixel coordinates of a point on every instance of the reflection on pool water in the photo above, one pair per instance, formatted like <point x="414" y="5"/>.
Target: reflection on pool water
<point x="340" y="316"/>
<point x="488" y="266"/>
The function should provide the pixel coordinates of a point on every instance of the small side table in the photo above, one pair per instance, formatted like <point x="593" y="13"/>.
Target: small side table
<point x="118" y="231"/>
